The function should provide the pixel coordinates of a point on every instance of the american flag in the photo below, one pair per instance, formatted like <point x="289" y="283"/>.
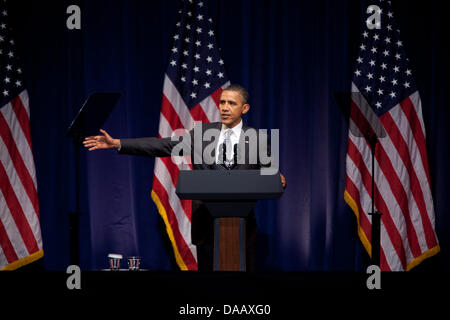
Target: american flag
<point x="194" y="79"/>
<point x="402" y="178"/>
<point x="20" y="232"/>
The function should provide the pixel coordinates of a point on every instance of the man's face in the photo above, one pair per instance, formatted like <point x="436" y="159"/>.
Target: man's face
<point x="232" y="108"/>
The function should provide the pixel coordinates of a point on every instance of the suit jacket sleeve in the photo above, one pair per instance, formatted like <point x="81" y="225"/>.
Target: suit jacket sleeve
<point x="152" y="147"/>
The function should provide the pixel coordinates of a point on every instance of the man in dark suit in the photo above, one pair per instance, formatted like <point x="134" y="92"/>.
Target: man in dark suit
<point x="231" y="148"/>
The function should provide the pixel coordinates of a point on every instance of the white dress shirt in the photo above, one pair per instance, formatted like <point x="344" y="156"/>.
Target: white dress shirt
<point x="234" y="137"/>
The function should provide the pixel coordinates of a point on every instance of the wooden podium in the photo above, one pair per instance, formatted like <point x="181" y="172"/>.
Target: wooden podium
<point x="229" y="196"/>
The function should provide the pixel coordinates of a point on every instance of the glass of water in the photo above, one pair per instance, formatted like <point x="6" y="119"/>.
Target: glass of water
<point x="133" y="263"/>
<point x="114" y="261"/>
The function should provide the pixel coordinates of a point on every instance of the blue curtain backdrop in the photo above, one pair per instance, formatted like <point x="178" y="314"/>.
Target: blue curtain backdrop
<point x="291" y="55"/>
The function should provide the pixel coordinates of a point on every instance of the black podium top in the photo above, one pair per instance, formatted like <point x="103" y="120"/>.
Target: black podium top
<point x="228" y="185"/>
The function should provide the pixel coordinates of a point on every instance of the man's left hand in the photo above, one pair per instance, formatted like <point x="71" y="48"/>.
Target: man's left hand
<point x="283" y="180"/>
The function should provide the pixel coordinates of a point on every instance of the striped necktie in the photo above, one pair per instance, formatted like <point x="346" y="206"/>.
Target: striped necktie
<point x="229" y="149"/>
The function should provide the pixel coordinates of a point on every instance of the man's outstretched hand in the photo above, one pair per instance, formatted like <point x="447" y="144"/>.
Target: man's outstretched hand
<point x="101" y="142"/>
<point x="107" y="142"/>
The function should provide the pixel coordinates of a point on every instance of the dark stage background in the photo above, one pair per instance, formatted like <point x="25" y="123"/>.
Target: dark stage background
<point x="291" y="55"/>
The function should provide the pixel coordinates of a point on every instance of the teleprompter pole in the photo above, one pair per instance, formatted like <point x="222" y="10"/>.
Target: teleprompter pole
<point x="376" y="216"/>
<point x="74" y="215"/>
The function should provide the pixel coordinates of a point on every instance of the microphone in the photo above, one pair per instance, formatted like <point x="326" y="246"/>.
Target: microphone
<point x="224" y="150"/>
<point x="235" y="154"/>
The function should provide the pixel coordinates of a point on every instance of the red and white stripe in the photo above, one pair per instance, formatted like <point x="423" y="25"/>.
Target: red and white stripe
<point x="176" y="115"/>
<point x="20" y="232"/>
<point x="402" y="185"/>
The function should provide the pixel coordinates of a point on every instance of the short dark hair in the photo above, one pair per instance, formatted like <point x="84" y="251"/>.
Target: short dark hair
<point x="242" y="91"/>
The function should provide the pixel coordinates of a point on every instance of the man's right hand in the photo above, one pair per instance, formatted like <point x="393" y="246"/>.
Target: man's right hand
<point x="101" y="142"/>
